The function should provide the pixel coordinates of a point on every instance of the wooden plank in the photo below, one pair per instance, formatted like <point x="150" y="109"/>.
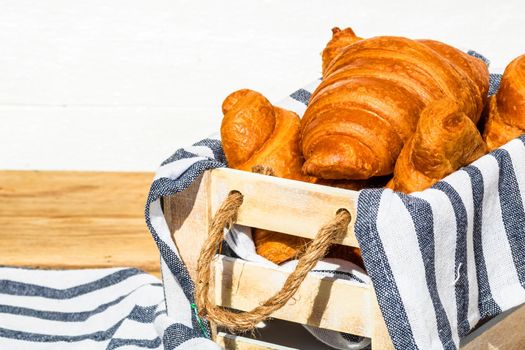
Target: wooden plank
<point x="505" y="332"/>
<point x="282" y="205"/>
<point x="77" y="243"/>
<point x="244" y="285"/>
<point x="73" y="194"/>
<point x="237" y="342"/>
<point x="75" y="220"/>
<point x="379" y="332"/>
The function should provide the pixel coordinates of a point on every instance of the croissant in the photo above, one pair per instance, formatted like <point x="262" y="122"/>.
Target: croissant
<point x="256" y="133"/>
<point x="506" y="109"/>
<point x="445" y="140"/>
<point x="371" y="96"/>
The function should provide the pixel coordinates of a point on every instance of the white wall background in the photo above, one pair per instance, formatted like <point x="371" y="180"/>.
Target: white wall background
<point x="121" y="84"/>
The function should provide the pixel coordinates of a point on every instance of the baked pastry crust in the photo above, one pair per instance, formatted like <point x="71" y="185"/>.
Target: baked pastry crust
<point x="445" y="140"/>
<point x="370" y="99"/>
<point x="506" y="109"/>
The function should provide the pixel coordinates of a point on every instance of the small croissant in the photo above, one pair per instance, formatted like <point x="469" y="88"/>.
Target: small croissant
<point x="445" y="140"/>
<point x="506" y="109"/>
<point x="254" y="132"/>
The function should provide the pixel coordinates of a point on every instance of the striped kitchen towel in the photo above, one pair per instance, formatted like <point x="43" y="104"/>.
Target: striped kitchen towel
<point x="445" y="258"/>
<point x="80" y="309"/>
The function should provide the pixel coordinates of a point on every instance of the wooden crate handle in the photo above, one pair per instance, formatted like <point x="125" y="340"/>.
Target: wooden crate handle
<point x="296" y="208"/>
<point x="244" y="321"/>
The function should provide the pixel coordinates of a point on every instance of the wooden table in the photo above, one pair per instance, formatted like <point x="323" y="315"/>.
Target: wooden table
<point x="54" y="219"/>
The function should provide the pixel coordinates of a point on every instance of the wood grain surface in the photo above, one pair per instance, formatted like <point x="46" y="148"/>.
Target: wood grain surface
<point x="245" y="285"/>
<point x="275" y="204"/>
<point x="58" y="219"/>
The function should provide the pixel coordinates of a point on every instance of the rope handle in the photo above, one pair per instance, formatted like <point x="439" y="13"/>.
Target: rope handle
<point x="246" y="321"/>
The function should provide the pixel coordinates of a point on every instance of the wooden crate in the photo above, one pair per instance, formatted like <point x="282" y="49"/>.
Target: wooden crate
<point x="296" y="208"/>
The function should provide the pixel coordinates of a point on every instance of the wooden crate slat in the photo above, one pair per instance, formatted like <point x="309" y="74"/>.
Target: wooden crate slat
<point x="282" y="205"/>
<point x="504" y="332"/>
<point x="318" y="302"/>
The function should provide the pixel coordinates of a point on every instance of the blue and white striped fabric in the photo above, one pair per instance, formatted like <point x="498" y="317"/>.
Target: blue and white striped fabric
<point x="80" y="309"/>
<point x="445" y="258"/>
<point x="185" y="331"/>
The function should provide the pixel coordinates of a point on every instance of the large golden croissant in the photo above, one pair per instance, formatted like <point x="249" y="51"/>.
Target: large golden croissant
<point x="506" y="112"/>
<point x="371" y="96"/>
<point x="445" y="140"/>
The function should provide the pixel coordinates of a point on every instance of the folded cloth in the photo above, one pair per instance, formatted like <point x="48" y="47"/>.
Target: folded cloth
<point x="440" y="260"/>
<point x="80" y="309"/>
